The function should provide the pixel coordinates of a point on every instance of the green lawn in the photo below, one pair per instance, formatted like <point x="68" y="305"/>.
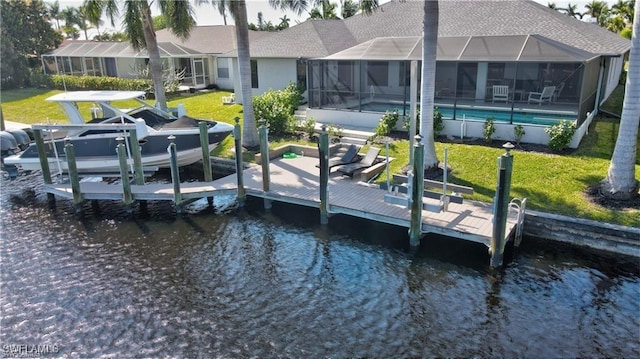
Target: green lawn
<point x="551" y="183"/>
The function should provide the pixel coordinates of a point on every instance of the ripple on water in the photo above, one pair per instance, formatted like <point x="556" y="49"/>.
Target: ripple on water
<point x="253" y="283"/>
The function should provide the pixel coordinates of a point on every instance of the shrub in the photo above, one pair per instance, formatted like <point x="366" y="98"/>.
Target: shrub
<point x="438" y="122"/>
<point x="62" y="82"/>
<point x="277" y="107"/>
<point x="560" y="134"/>
<point x="518" y="130"/>
<point x="387" y="123"/>
<point x="309" y="127"/>
<point x="37" y="78"/>
<point x="489" y="129"/>
<point x="335" y="131"/>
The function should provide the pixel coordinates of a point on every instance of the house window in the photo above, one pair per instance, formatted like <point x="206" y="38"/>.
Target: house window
<point x="302" y="73"/>
<point x="223" y="68"/>
<point x="377" y="73"/>
<point x="254" y="74"/>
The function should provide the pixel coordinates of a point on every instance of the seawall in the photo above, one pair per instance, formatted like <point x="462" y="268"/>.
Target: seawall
<point x="583" y="232"/>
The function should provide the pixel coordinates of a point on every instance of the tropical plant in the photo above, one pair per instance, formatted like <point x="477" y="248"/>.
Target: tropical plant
<point x="598" y="10"/>
<point x="438" y="123"/>
<point x="309" y="127"/>
<point x="560" y="134"/>
<point x="324" y="10"/>
<point x="488" y="129"/>
<point x="518" y="131"/>
<point x="277" y="108"/>
<point x="70" y="17"/>
<point x="621" y="182"/>
<point x="387" y="123"/>
<point x="348" y="8"/>
<point x="284" y="23"/>
<point x="54" y="12"/>
<point x="139" y="28"/>
<point x="572" y="10"/>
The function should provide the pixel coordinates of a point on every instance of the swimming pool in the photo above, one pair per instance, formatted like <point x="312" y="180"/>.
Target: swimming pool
<point x="480" y="114"/>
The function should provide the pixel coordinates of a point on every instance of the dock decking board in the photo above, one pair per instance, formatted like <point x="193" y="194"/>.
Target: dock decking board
<point x="297" y="181"/>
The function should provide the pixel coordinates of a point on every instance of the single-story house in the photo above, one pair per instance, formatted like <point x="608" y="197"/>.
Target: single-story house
<point x="516" y="61"/>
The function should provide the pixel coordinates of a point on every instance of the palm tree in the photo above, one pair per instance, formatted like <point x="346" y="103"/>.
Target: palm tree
<point x="349" y="8"/>
<point x="572" y="10"/>
<point x="284" y="23"/>
<point x="552" y="5"/>
<point x="621" y="182"/>
<point x="54" y="11"/>
<point x="139" y="28"/>
<point x="624" y="9"/>
<point x="83" y="21"/>
<point x="598" y="10"/>
<point x="323" y="10"/>
<point x="429" y="49"/>
<point x="70" y="17"/>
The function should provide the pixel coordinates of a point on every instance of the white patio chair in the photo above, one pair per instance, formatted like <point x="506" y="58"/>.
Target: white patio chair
<point x="542" y="97"/>
<point x="500" y="93"/>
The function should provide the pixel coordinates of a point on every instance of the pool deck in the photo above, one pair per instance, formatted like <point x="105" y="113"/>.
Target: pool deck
<point x="296" y="181"/>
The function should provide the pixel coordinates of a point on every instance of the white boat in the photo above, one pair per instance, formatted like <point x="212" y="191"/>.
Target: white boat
<point x="95" y="149"/>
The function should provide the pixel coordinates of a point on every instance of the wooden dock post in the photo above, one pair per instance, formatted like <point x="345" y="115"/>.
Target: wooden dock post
<point x="175" y="173"/>
<point x="501" y="206"/>
<point x="237" y="135"/>
<point x="323" y="153"/>
<point x="136" y="152"/>
<point x="73" y="175"/>
<point x="206" y="159"/>
<point x="417" y="188"/>
<point x="264" y="156"/>
<point x="127" y="197"/>
<point x="44" y="163"/>
<point x="137" y="156"/>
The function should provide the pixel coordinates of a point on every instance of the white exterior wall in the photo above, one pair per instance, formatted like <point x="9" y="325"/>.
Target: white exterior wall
<point x="456" y="128"/>
<point x="125" y="67"/>
<point x="272" y="74"/>
<point x="275" y="74"/>
<point x="228" y="83"/>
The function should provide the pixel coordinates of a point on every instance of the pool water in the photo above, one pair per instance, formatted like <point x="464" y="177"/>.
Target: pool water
<point x="476" y="114"/>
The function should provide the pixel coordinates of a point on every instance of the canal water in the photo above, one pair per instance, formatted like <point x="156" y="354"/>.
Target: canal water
<point x="247" y="282"/>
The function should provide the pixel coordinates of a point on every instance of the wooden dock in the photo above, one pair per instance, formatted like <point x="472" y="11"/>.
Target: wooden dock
<point x="296" y="181"/>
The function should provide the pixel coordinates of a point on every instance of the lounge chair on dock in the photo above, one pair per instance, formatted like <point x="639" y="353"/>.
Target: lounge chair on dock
<point x="349" y="156"/>
<point x="367" y="161"/>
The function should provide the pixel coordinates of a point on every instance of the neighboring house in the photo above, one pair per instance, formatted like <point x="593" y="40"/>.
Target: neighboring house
<point x="119" y="59"/>
<point x="356" y="68"/>
<point x="196" y="56"/>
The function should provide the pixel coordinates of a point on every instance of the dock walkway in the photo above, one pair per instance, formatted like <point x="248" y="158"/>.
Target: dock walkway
<point x="296" y="181"/>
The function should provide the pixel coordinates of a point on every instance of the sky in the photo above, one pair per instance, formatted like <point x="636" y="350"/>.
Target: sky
<point x="206" y="14"/>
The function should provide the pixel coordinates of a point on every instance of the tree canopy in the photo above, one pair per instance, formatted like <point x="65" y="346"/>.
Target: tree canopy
<point x="26" y="34"/>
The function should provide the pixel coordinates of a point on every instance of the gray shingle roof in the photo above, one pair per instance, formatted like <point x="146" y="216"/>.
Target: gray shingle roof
<point x="487" y="18"/>
<point x="213" y="39"/>
<point x="312" y="38"/>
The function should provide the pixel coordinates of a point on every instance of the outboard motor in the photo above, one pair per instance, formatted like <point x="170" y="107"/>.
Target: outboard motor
<point x="8" y="144"/>
<point x="22" y="138"/>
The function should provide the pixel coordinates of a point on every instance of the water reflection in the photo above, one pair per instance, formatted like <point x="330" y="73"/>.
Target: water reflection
<point x="255" y="283"/>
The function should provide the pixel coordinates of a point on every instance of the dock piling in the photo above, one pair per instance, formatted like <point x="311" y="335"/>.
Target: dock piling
<point x="264" y="156"/>
<point x="237" y="135"/>
<point x="44" y="163"/>
<point x="323" y="152"/>
<point x="127" y="197"/>
<point x="175" y="173"/>
<point x="417" y="188"/>
<point x="73" y="175"/>
<point x="501" y="206"/>
<point x="206" y="158"/>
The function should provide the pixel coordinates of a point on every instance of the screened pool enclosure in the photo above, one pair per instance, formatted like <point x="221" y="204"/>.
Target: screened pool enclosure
<point x="525" y="79"/>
